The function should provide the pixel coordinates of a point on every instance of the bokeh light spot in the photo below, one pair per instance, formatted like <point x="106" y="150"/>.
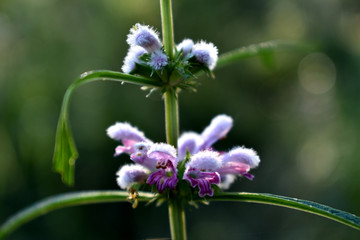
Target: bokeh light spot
<point x="317" y="73"/>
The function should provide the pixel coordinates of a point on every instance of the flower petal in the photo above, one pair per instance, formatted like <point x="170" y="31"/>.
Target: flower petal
<point x="164" y="178"/>
<point x="131" y="58"/>
<point x="162" y="152"/>
<point x="206" y="53"/>
<point x="129" y="174"/>
<point x="144" y="36"/>
<point x="186" y="46"/>
<point x="158" y="60"/>
<point x="218" y="128"/>
<point x="242" y="155"/>
<point x="128" y="135"/>
<point x="203" y="180"/>
<point x="189" y="141"/>
<point x="205" y="161"/>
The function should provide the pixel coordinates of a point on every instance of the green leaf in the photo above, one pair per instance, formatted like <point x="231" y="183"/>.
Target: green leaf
<point x="264" y="48"/>
<point x="294" y="203"/>
<point x="66" y="200"/>
<point x="65" y="153"/>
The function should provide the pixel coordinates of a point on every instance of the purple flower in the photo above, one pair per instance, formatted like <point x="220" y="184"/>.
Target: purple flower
<point x="145" y="37"/>
<point x="158" y="60"/>
<point x="206" y="53"/>
<point x="201" y="171"/>
<point x="131" y="58"/>
<point x="156" y="163"/>
<point x="129" y="174"/>
<point x="207" y="166"/>
<point x="128" y="135"/>
<point x="161" y="159"/>
<point x="164" y="178"/>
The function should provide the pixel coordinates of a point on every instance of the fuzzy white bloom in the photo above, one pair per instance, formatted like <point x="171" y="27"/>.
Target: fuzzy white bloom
<point x="242" y="155"/>
<point x="124" y="131"/>
<point x="206" y="53"/>
<point x="131" y="173"/>
<point x="132" y="57"/>
<point x="218" y="128"/>
<point x="144" y="36"/>
<point x="186" y="46"/>
<point x="158" y="60"/>
<point x="205" y="161"/>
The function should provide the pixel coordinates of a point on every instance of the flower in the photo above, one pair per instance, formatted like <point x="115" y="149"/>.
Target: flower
<point x="206" y="53"/>
<point x="161" y="159"/>
<point x="200" y="171"/>
<point x="157" y="163"/>
<point x="157" y="160"/>
<point x="131" y="173"/>
<point x="207" y="166"/>
<point x="144" y="36"/>
<point x="132" y="57"/>
<point x="128" y="135"/>
<point x="186" y="46"/>
<point x="210" y="167"/>
<point x="158" y="60"/>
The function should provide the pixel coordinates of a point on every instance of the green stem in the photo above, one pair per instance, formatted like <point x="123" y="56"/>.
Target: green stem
<point x="177" y="219"/>
<point x="176" y="206"/>
<point x="262" y="48"/>
<point x="288" y="202"/>
<point x="171" y="116"/>
<point x="66" y="200"/>
<point x="167" y="27"/>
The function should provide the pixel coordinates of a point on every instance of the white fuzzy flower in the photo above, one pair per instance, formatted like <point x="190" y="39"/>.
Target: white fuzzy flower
<point x="186" y="46"/>
<point x="132" y="58"/>
<point x="206" y="161"/>
<point x="131" y="173"/>
<point x="206" y="53"/>
<point x="144" y="36"/>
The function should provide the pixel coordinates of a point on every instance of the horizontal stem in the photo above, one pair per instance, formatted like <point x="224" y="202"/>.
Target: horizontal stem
<point x="260" y="48"/>
<point x="66" y="200"/>
<point x="294" y="203"/>
<point x="107" y="75"/>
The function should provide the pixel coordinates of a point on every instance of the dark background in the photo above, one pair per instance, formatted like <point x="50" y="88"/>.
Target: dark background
<point x="301" y="113"/>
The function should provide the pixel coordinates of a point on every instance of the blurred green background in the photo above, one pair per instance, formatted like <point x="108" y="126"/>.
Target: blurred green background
<point x="301" y="114"/>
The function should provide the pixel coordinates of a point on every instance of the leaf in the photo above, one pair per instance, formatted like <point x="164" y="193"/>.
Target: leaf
<point x="65" y="153"/>
<point x="294" y="203"/>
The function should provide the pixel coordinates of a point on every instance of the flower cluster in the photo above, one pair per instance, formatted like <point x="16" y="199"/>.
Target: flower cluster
<point x="146" y="50"/>
<point x="158" y="163"/>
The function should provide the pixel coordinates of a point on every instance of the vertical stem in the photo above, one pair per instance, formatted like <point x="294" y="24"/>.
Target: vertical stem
<point x="167" y="27"/>
<point x="176" y="205"/>
<point x="177" y="219"/>
<point x="171" y="116"/>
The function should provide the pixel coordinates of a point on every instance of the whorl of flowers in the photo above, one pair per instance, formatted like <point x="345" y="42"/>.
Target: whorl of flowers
<point x="146" y="55"/>
<point x="195" y="161"/>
